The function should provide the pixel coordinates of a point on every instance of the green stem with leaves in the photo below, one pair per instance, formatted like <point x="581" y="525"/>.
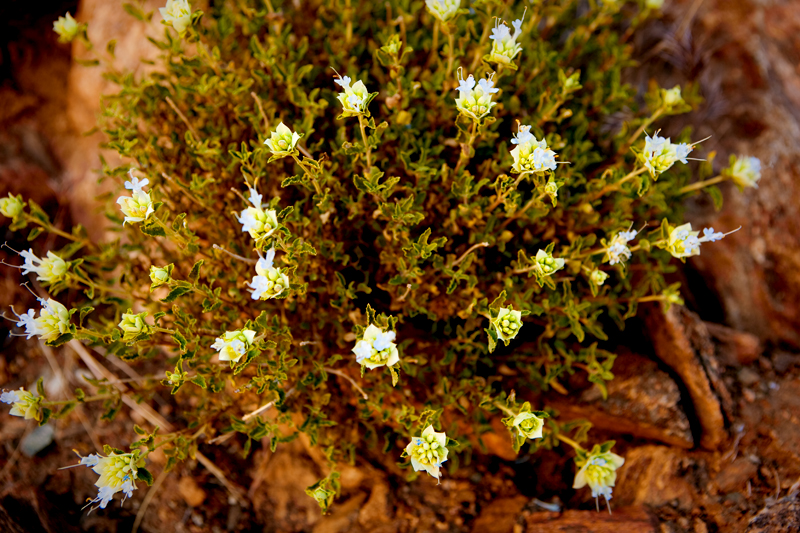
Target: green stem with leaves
<point x="307" y="173"/>
<point x="367" y="147"/>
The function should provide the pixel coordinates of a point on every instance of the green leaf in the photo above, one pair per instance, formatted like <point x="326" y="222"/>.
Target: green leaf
<point x="194" y="275"/>
<point x="716" y="196"/>
<point x="200" y="381"/>
<point x="181" y="340"/>
<point x="153" y="230"/>
<point x="144" y="475"/>
<point x="175" y="293"/>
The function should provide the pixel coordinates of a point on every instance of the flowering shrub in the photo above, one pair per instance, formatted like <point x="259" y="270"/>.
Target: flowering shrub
<point x="455" y="214"/>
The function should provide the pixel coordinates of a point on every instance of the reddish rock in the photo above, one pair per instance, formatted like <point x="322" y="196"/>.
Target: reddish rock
<point x="744" y="57"/>
<point x="735" y="476"/>
<point x="734" y="348"/>
<point x="682" y="342"/>
<point x="652" y="476"/>
<point x="623" y="520"/>
<point x="782" y="516"/>
<point x="500" y="516"/>
<point x="643" y="401"/>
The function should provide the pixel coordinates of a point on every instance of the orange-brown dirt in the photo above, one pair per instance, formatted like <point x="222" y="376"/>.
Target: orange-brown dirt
<point x="704" y="408"/>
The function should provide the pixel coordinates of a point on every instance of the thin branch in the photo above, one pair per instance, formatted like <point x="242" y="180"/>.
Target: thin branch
<point x="261" y="110"/>
<point x="235" y="256"/>
<point x="348" y="378"/>
<point x="470" y="250"/>
<point x="146" y="502"/>
<point x="183" y="117"/>
<point x="149" y="414"/>
<point x="264" y="407"/>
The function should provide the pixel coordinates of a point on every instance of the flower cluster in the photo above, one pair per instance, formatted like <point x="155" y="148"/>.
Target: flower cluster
<point x="443" y="10"/>
<point x="428" y="451"/>
<point x="133" y="325"/>
<point x="11" y="206"/>
<point x="24" y="403"/>
<point x="660" y="154"/>
<point x="118" y="473"/>
<point x="269" y="281"/>
<point x="531" y="155"/>
<point x="355" y="97"/>
<point x="504" y="43"/>
<point x="177" y="14"/>
<point x="282" y="142"/>
<point x="683" y="242"/>
<point x="617" y="250"/>
<point x="234" y="344"/>
<point x="376" y="348"/>
<point x="160" y="275"/>
<point x="67" y="28"/>
<point x="49" y="270"/>
<point x="475" y="99"/>
<point x="260" y="223"/>
<point x="138" y="206"/>
<point x="53" y="321"/>
<point x="598" y="470"/>
<point x="546" y="264"/>
<point x="507" y="324"/>
<point x="671" y="98"/>
<point x="745" y="171"/>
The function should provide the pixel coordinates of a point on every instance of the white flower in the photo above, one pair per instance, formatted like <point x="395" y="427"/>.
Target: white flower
<point x="234" y="344"/>
<point x="118" y="473"/>
<point x="53" y="321"/>
<point x="529" y="425"/>
<point x="135" y="184"/>
<point x="11" y="206"/>
<point x="617" y="250"/>
<point x="376" y="348"/>
<point x="177" y="14"/>
<point x="269" y="281"/>
<point x="259" y="222"/>
<point x="531" y="155"/>
<point x="745" y="171"/>
<point x="547" y="264"/>
<point x="683" y="242"/>
<point x="475" y="100"/>
<point x="354" y="98"/>
<point x="599" y="472"/>
<point x="138" y="207"/>
<point x="443" y="10"/>
<point x="507" y="324"/>
<point x="25" y="405"/>
<point x="660" y="154"/>
<point x="505" y="46"/>
<point x="49" y="270"/>
<point x="67" y="28"/>
<point x="282" y="141"/>
<point x="428" y="451"/>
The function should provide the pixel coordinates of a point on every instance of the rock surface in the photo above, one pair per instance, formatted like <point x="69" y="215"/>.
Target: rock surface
<point x="623" y="520"/>
<point x="744" y="56"/>
<point x="643" y="401"/>
<point x="683" y="343"/>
